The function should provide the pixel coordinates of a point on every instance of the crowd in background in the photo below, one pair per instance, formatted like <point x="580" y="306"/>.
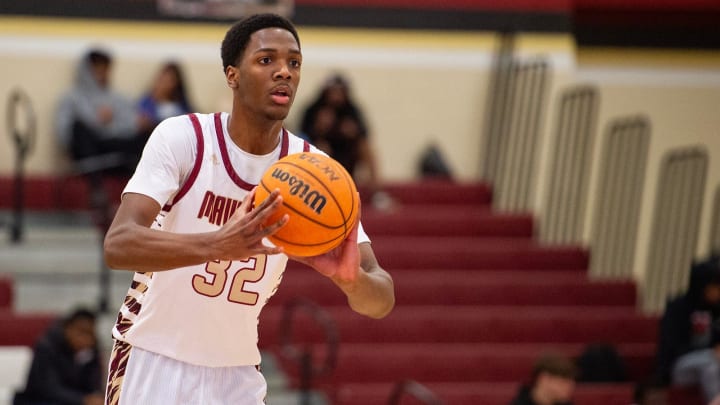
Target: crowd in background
<point x="94" y="120"/>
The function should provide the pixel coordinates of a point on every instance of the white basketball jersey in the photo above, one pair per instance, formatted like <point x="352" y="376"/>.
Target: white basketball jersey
<point x="206" y="314"/>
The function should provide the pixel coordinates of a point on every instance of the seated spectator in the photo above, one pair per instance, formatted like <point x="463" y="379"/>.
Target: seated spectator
<point x="92" y="120"/>
<point x="689" y="342"/>
<point x="335" y="125"/>
<point x="167" y="96"/>
<point x="649" y="392"/>
<point x="66" y="367"/>
<point x="552" y="382"/>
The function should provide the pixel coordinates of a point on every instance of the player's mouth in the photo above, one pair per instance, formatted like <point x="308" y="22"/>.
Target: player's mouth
<point x="281" y="95"/>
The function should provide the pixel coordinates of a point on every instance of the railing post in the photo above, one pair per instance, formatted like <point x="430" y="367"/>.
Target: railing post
<point x="23" y="140"/>
<point x="304" y="357"/>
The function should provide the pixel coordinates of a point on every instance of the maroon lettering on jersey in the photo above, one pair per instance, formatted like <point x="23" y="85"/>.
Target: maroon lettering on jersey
<point x="207" y="204"/>
<point x="230" y="208"/>
<point x="217" y="212"/>
<point x="216" y="208"/>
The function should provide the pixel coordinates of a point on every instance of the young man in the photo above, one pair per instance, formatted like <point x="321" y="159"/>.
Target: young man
<point x="66" y="366"/>
<point x="187" y="331"/>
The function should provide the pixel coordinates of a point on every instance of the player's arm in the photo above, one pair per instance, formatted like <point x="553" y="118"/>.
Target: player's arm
<point x="371" y="291"/>
<point x="131" y="244"/>
<point x="355" y="270"/>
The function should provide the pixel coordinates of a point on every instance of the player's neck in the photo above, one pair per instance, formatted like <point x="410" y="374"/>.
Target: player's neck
<point x="258" y="137"/>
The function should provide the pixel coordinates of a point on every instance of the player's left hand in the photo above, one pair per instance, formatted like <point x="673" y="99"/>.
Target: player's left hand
<point x="341" y="264"/>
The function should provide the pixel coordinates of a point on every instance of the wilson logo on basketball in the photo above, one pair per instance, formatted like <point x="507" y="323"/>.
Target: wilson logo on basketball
<point x="311" y="198"/>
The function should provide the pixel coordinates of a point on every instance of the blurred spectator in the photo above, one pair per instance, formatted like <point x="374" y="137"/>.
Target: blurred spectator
<point x="93" y="120"/>
<point x="689" y="349"/>
<point x="66" y="366"/>
<point x="432" y="163"/>
<point x="649" y="392"/>
<point x="167" y="97"/>
<point x="552" y="382"/>
<point x="335" y="124"/>
<point x="600" y="362"/>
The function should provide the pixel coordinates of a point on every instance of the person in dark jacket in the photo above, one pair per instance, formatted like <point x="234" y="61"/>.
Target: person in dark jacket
<point x="335" y="124"/>
<point x="689" y="342"/>
<point x="66" y="368"/>
<point x="552" y="382"/>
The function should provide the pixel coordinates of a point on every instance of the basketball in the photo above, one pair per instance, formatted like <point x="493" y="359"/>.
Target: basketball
<point x="320" y="198"/>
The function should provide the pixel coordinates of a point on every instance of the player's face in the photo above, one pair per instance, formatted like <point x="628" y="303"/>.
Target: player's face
<point x="268" y="75"/>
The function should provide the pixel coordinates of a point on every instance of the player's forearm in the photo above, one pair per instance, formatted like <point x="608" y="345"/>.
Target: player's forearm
<point x="372" y="294"/>
<point x="137" y="248"/>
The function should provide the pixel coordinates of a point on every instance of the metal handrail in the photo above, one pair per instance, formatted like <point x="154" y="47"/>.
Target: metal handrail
<point x="24" y="141"/>
<point x="415" y="389"/>
<point x="304" y="355"/>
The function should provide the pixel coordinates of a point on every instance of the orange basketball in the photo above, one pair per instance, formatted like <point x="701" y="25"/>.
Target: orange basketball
<point x="320" y="198"/>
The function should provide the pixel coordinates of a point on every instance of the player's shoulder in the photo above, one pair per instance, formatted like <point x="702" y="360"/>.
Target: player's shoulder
<point x="298" y="143"/>
<point x="175" y="123"/>
<point x="173" y="133"/>
<point x="183" y="125"/>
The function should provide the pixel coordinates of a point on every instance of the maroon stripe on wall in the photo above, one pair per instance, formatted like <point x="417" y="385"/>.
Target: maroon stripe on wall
<point x="487" y="5"/>
<point x="649" y="5"/>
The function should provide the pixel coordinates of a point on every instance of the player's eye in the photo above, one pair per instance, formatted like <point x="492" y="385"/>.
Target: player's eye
<point x="265" y="60"/>
<point x="295" y="63"/>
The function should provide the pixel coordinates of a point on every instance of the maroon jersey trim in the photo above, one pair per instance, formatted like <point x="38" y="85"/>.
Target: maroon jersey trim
<point x="306" y="146"/>
<point x="285" y="144"/>
<point x="198" y="162"/>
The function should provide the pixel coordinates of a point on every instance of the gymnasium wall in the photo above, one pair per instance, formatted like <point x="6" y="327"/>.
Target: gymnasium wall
<point x="414" y="86"/>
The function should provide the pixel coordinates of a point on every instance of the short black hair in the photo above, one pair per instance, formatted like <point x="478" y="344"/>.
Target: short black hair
<point x="99" y="57"/>
<point x="238" y="36"/>
<point x="79" y="314"/>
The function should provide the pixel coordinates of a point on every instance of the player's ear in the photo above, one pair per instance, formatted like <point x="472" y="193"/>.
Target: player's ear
<point x="231" y="76"/>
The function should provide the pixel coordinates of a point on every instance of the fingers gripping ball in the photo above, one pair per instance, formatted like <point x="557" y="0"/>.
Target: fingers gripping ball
<point x="320" y="198"/>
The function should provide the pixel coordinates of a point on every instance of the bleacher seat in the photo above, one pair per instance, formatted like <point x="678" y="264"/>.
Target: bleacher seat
<point x="478" y="300"/>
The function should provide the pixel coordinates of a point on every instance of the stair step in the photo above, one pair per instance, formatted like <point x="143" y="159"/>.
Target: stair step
<point x="420" y="253"/>
<point x="23" y="329"/>
<point x="479" y="392"/>
<point x="446" y="220"/>
<point x="436" y="192"/>
<point x="477" y="324"/>
<point x="436" y="362"/>
<point x="468" y="287"/>
<point x="475" y="253"/>
<point x="7" y="288"/>
<point x="58" y="192"/>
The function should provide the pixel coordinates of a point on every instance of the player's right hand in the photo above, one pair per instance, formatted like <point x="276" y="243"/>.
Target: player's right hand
<point x="242" y="235"/>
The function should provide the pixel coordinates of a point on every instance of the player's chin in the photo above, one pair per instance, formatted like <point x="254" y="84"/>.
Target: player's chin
<point x="277" y="113"/>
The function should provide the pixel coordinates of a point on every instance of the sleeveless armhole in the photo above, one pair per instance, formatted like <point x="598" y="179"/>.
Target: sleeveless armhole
<point x="198" y="162"/>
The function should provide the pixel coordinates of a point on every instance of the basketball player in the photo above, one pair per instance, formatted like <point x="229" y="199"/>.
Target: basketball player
<point x="187" y="331"/>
